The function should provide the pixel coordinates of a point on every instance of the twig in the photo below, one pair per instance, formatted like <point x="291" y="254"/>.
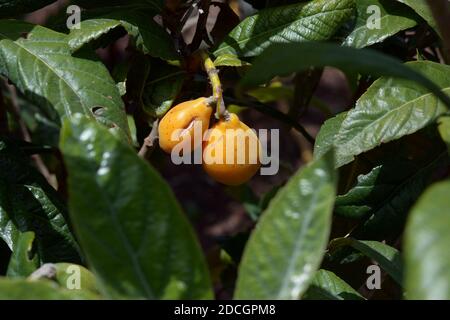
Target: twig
<point x="149" y="143"/>
<point x="213" y="75"/>
<point x="46" y="271"/>
<point x="305" y="85"/>
<point x="441" y="13"/>
<point x="274" y="113"/>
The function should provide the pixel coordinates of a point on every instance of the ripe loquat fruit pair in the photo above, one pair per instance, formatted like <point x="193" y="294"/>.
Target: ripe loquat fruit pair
<point x="225" y="136"/>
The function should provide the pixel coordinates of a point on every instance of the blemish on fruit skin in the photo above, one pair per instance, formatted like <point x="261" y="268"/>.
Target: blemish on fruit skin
<point x="181" y="117"/>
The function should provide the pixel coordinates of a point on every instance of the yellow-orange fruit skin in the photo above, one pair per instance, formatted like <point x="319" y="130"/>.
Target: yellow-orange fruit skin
<point x="182" y="117"/>
<point x="235" y="173"/>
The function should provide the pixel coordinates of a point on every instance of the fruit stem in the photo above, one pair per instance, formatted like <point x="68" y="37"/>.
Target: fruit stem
<point x="213" y="75"/>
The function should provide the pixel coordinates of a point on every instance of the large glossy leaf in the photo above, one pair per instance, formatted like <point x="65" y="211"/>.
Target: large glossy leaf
<point x="130" y="225"/>
<point x="427" y="241"/>
<point x="328" y="131"/>
<point x="29" y="203"/>
<point x="284" y="59"/>
<point x="367" y="193"/>
<point x="312" y="21"/>
<point x="149" y="37"/>
<point x="422" y="9"/>
<point x="390" y="109"/>
<point x="18" y="289"/>
<point x="328" y="286"/>
<point x="162" y="87"/>
<point x="372" y="189"/>
<point x="394" y="17"/>
<point x="387" y="257"/>
<point x="289" y="241"/>
<point x="9" y="8"/>
<point x="23" y="260"/>
<point x="387" y="218"/>
<point x="42" y="68"/>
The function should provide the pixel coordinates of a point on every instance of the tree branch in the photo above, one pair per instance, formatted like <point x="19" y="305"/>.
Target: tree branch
<point x="149" y="143"/>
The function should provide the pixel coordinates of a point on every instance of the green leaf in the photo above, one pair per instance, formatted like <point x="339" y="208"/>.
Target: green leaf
<point x="427" y="240"/>
<point x="134" y="234"/>
<point x="272" y="93"/>
<point x="135" y="78"/>
<point x="312" y="21"/>
<point x="161" y="89"/>
<point x="149" y="37"/>
<point x="283" y="59"/>
<point x="229" y="60"/>
<point x="23" y="260"/>
<point x="391" y="109"/>
<point x="288" y="244"/>
<point x="444" y="129"/>
<point x="372" y="189"/>
<point x="387" y="219"/>
<point x="394" y="17"/>
<point x="9" y="8"/>
<point x="75" y="277"/>
<point x="364" y="196"/>
<point x="387" y="257"/>
<point x="14" y="29"/>
<point x="328" y="286"/>
<point x="44" y="128"/>
<point x="42" y="68"/>
<point x="422" y="9"/>
<point x="18" y="289"/>
<point x="29" y="203"/>
<point x="325" y="137"/>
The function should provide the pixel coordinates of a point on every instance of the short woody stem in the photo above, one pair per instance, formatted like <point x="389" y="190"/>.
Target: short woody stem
<point x="213" y="75"/>
<point x="149" y="143"/>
